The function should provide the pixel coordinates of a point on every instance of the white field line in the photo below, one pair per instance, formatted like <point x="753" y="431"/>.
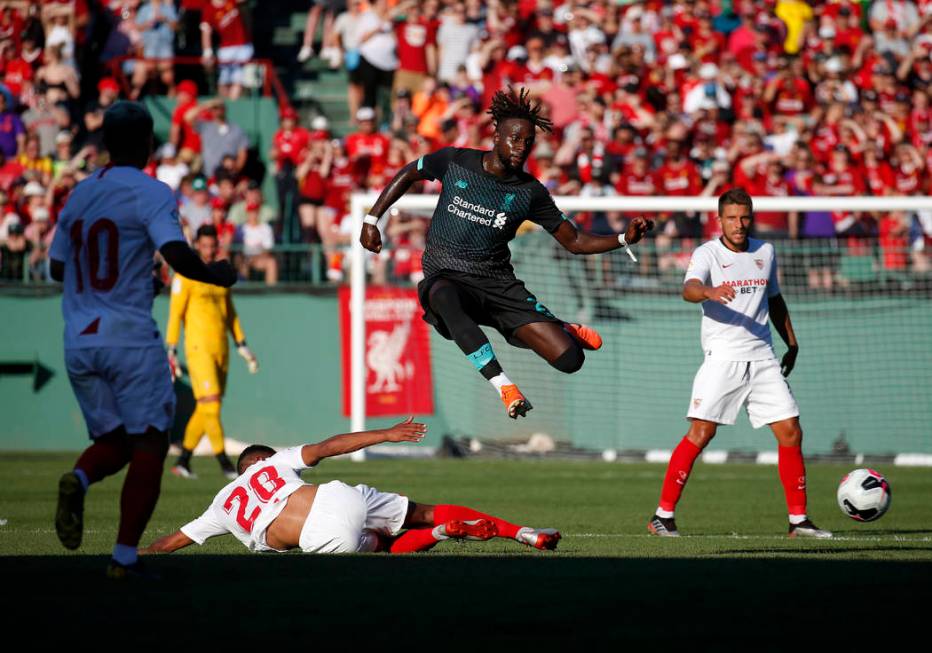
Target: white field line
<point x="736" y="536"/>
<point x="619" y="536"/>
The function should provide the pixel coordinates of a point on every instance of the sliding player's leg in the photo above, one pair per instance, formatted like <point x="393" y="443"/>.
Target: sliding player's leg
<point x="429" y="524"/>
<point x="447" y="302"/>
<point x="679" y="468"/>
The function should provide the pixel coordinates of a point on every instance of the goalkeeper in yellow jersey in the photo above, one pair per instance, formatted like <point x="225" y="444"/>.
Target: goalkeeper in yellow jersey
<point x="207" y="313"/>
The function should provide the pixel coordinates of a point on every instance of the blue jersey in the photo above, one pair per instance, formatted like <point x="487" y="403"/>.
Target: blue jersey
<point x="107" y="235"/>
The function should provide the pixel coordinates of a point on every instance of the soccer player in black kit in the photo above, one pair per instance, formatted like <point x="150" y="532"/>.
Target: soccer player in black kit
<point x="468" y="278"/>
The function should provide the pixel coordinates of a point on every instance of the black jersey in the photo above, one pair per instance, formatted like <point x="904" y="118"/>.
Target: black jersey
<point x="478" y="214"/>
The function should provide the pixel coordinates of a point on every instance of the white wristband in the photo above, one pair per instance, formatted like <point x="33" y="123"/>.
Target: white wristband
<point x="624" y="244"/>
<point x="370" y="219"/>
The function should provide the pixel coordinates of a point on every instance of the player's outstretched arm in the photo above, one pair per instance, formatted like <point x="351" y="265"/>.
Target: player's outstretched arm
<point x="580" y="242"/>
<point x="697" y="292"/>
<point x="400" y="184"/>
<point x="406" y="431"/>
<point x="168" y="544"/>
<point x="780" y="316"/>
<point x="185" y="261"/>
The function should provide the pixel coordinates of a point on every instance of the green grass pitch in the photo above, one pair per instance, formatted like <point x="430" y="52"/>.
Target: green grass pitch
<point x="733" y="581"/>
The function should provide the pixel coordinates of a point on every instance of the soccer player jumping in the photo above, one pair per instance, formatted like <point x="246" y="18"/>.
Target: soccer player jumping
<point x="103" y="250"/>
<point x="469" y="279"/>
<point x="734" y="278"/>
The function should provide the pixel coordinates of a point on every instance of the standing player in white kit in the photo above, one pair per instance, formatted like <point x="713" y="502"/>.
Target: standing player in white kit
<point x="735" y="280"/>
<point x="107" y="235"/>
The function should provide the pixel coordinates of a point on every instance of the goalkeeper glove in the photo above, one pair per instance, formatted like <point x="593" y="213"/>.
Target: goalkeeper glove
<point x="173" y="365"/>
<point x="251" y="362"/>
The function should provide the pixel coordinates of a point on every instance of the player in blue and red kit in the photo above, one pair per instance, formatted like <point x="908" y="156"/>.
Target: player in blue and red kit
<point x="107" y="236"/>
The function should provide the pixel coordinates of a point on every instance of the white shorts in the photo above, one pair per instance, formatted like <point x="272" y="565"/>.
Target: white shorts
<point x="122" y="386"/>
<point x="231" y="59"/>
<point x="722" y="387"/>
<point x="343" y="517"/>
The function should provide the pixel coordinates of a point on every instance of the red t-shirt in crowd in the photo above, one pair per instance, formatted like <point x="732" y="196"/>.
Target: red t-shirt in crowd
<point x="226" y="20"/>
<point x="339" y="184"/>
<point x="761" y="185"/>
<point x="679" y="179"/>
<point x="412" y="41"/>
<point x="374" y="146"/>
<point x="16" y="73"/>
<point x="894" y="243"/>
<point x="793" y="97"/>
<point x="189" y="138"/>
<point x="290" y="145"/>
<point x="879" y="178"/>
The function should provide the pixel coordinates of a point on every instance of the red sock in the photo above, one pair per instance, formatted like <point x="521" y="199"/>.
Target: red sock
<point x="793" y="476"/>
<point x="446" y="512"/>
<point x="108" y="455"/>
<point x="142" y="486"/>
<point x="415" y="539"/>
<point x="681" y="464"/>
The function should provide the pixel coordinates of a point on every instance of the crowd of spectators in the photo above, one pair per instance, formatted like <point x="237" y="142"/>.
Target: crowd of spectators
<point x="676" y="97"/>
<point x="653" y="97"/>
<point x="64" y="62"/>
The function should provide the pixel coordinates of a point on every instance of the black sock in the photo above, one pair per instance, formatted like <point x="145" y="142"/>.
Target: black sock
<point x="225" y="463"/>
<point x="185" y="458"/>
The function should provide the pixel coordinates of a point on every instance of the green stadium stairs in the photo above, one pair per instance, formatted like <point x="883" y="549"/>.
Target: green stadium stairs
<point x="313" y="88"/>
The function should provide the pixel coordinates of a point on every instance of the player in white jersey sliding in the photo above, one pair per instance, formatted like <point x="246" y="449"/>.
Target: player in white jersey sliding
<point x="734" y="278"/>
<point x="269" y="507"/>
<point x="107" y="235"/>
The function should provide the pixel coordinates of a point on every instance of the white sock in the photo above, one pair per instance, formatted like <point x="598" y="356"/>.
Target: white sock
<point x="125" y="554"/>
<point x="797" y="519"/>
<point x="500" y="381"/>
<point x="666" y="514"/>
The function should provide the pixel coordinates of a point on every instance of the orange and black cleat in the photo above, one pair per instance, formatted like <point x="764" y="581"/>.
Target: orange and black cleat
<point x="474" y="529"/>
<point x="586" y="336"/>
<point x="515" y="403"/>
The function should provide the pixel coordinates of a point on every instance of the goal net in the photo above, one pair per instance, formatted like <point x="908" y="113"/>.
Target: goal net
<point x="861" y="307"/>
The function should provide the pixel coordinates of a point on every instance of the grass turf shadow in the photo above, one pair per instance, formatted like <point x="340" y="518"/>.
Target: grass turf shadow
<point x="377" y="599"/>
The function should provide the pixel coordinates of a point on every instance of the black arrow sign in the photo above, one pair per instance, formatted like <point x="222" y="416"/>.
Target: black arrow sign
<point x="39" y="372"/>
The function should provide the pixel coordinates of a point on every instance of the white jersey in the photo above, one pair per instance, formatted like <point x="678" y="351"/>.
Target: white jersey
<point x="739" y="330"/>
<point x="249" y="504"/>
<point x="107" y="234"/>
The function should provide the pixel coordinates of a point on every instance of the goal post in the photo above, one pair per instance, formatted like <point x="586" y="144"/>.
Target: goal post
<point x="531" y="268"/>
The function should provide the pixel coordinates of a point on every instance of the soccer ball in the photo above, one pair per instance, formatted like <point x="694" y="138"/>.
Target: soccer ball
<point x="864" y="495"/>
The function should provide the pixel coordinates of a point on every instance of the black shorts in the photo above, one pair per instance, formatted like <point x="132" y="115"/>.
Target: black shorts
<point x="504" y="304"/>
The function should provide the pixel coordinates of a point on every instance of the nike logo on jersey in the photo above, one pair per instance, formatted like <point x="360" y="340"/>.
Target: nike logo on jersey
<point x="727" y="266"/>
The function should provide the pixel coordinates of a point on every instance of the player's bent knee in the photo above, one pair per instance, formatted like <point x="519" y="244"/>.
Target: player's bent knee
<point x="701" y="433"/>
<point x="570" y="360"/>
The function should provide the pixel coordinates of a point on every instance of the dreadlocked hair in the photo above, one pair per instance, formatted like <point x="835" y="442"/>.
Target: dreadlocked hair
<point x="508" y="104"/>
